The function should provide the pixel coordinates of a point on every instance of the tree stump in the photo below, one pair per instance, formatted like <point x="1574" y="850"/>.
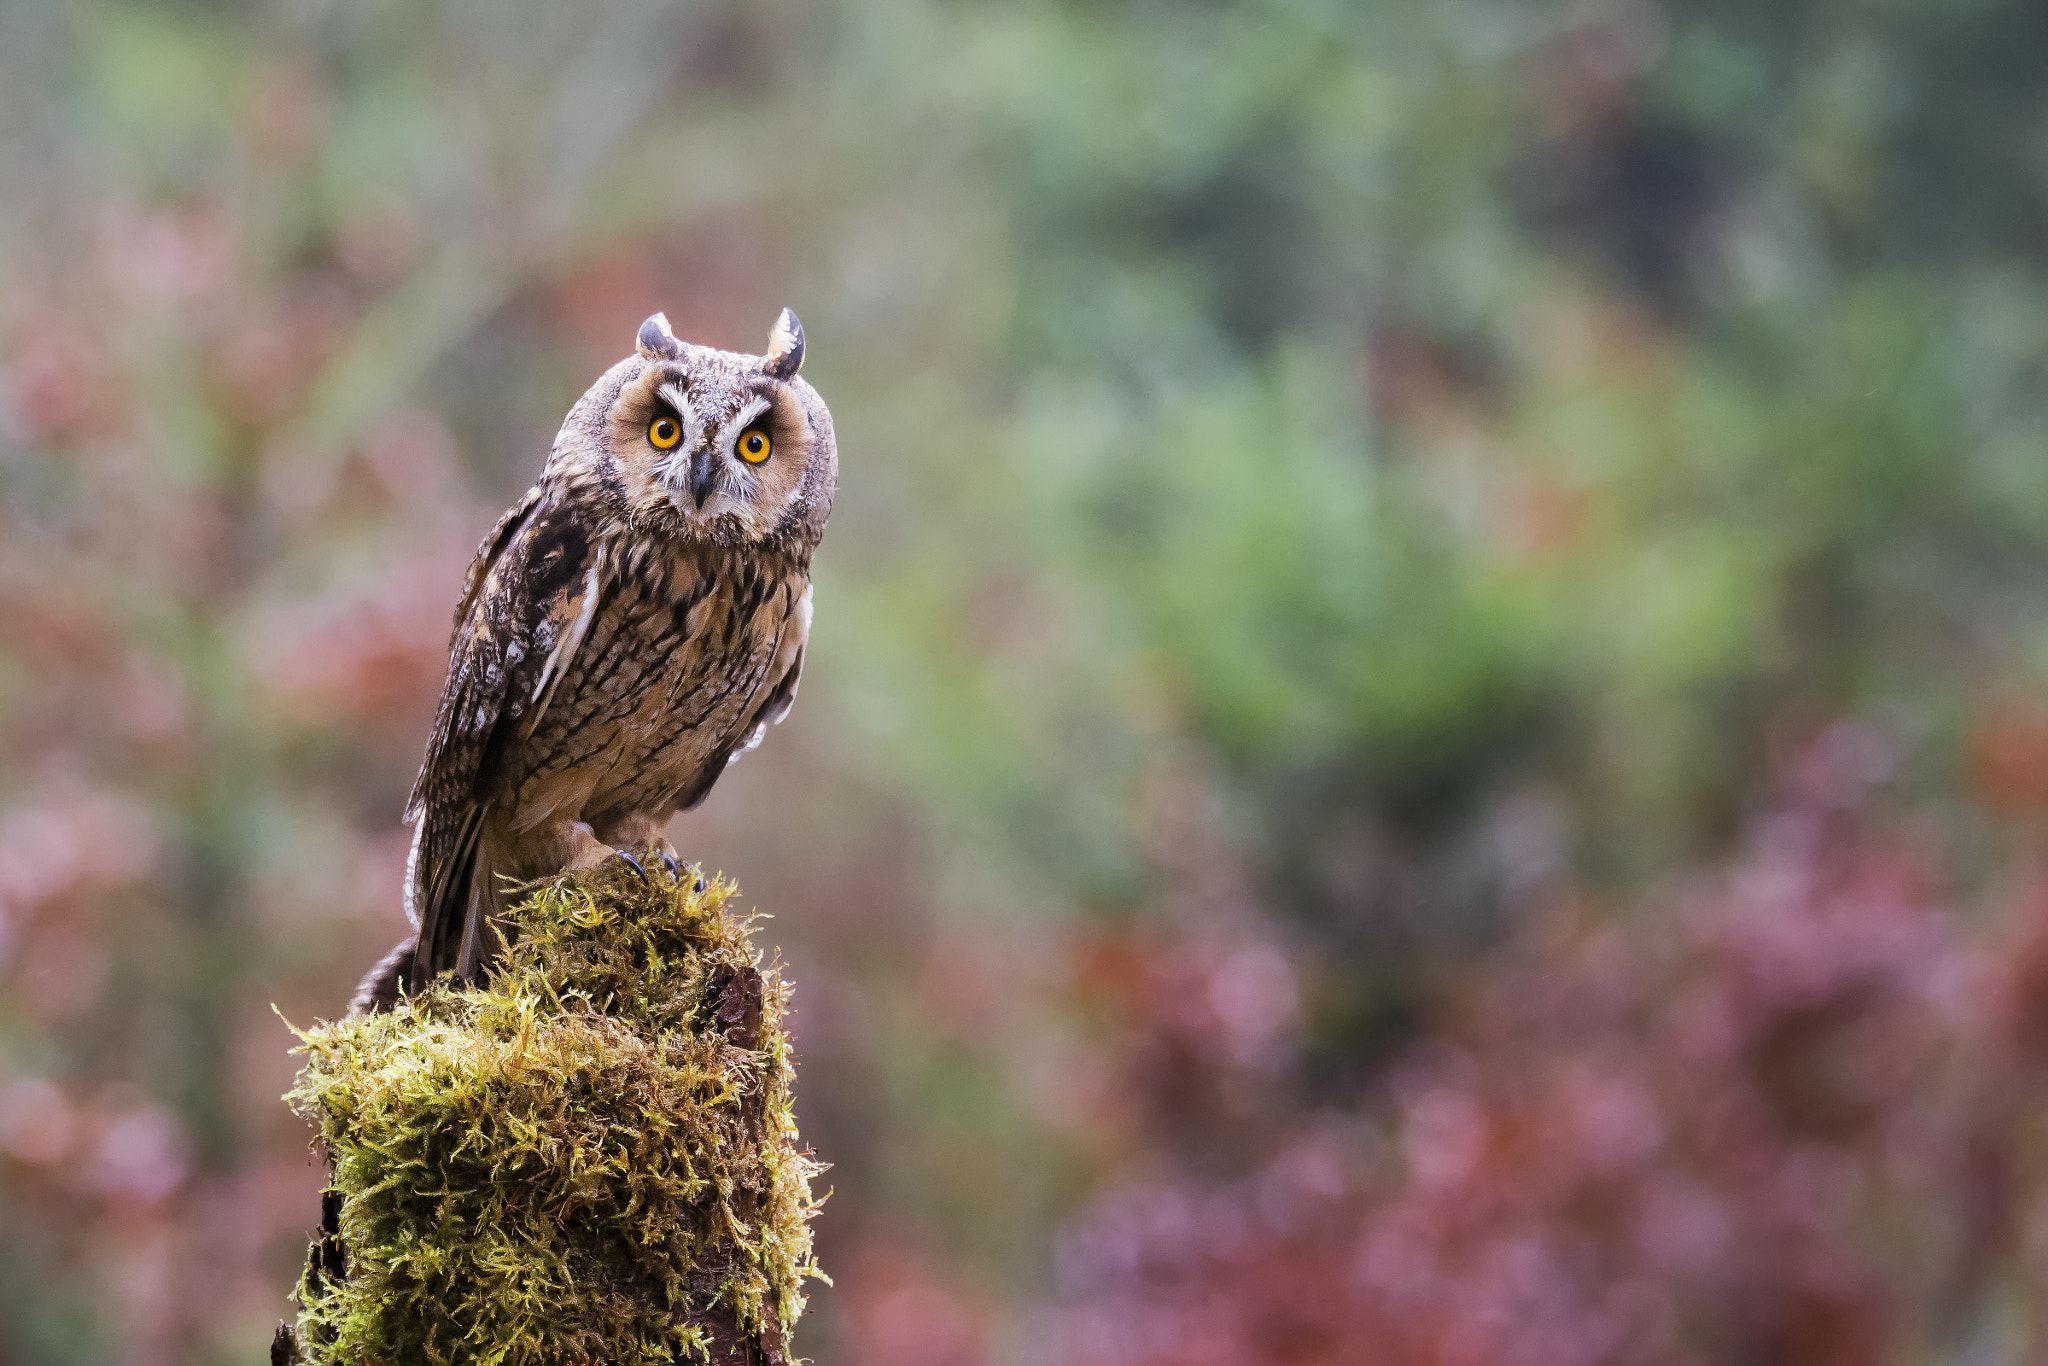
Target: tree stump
<point x="592" y="1157"/>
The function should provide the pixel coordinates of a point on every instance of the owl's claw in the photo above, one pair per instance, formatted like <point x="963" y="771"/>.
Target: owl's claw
<point x="630" y="862"/>
<point x="698" y="885"/>
<point x="674" y="869"/>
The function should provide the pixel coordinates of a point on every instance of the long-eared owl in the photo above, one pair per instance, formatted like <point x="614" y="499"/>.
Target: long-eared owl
<point x="629" y="627"/>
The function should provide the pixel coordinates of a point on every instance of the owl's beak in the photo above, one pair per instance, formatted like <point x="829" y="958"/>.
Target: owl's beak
<point x="703" y="475"/>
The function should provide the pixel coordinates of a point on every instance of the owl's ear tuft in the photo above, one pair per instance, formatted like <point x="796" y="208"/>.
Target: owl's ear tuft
<point x="656" y="342"/>
<point x="786" y="346"/>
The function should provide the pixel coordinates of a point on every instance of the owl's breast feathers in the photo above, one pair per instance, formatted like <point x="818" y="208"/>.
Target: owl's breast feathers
<point x="596" y="671"/>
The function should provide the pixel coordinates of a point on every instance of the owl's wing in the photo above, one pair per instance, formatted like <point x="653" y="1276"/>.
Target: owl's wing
<point x="530" y="598"/>
<point x="789" y="669"/>
<point x="785" y="672"/>
<point x="470" y="659"/>
<point x="488" y="552"/>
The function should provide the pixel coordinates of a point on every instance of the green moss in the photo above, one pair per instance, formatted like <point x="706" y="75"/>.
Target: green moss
<point x="591" y="1158"/>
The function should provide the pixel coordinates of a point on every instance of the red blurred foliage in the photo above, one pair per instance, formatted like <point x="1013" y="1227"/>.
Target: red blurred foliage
<point x="1774" y="1120"/>
<point x="378" y="658"/>
<point x="169" y="648"/>
<point x="287" y="108"/>
<point x="709" y="276"/>
<point x="2008" y="757"/>
<point x="904" y="1310"/>
<point x="58" y="383"/>
<point x="1193" y="1030"/>
<point x="1539" y="518"/>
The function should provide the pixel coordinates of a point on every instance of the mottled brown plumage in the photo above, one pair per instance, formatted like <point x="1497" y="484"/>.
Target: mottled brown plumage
<point x="630" y="626"/>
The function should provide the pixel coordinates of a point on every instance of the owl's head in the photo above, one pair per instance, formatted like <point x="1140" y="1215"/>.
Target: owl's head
<point x="709" y="445"/>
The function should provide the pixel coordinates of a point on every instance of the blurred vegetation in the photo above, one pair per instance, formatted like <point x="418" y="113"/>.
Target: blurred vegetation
<point x="1327" y="488"/>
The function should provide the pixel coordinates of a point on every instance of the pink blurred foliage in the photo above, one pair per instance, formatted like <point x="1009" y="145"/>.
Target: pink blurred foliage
<point x="904" y="1309"/>
<point x="1780" y="1115"/>
<point x="60" y="858"/>
<point x="1192" y="1015"/>
<point x="173" y="634"/>
<point x="51" y="382"/>
<point x="373" y="657"/>
<point x="711" y="280"/>
<point x="226" y="621"/>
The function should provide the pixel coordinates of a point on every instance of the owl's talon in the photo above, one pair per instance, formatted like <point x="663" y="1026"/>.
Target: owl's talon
<point x="630" y="862"/>
<point x="674" y="869"/>
<point x="698" y="885"/>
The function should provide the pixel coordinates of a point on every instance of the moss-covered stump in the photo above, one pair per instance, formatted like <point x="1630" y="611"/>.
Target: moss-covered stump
<point x="592" y="1158"/>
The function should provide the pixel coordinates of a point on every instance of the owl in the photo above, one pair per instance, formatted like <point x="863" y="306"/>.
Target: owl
<point x="630" y="627"/>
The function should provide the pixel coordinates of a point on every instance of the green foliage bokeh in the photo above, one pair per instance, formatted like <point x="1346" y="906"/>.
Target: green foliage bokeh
<point x="1337" y="472"/>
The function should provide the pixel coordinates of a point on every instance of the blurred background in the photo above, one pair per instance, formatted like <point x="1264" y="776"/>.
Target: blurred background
<point x="1425" y="740"/>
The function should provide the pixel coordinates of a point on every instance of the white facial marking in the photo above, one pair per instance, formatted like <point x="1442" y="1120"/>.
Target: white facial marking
<point x="729" y="438"/>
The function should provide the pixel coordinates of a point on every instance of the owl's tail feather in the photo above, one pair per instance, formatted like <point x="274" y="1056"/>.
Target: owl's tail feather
<point x="449" y="903"/>
<point x="386" y="984"/>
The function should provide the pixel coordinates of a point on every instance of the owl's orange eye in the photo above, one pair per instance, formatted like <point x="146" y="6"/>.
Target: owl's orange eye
<point x="754" y="447"/>
<point x="664" y="432"/>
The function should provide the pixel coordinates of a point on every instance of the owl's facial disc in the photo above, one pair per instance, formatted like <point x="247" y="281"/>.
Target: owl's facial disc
<point x="713" y="445"/>
<point x="717" y="473"/>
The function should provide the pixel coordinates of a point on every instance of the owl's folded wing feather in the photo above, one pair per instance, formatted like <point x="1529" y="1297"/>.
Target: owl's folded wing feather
<point x="787" y="670"/>
<point x="532" y="586"/>
<point x="468" y="657"/>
